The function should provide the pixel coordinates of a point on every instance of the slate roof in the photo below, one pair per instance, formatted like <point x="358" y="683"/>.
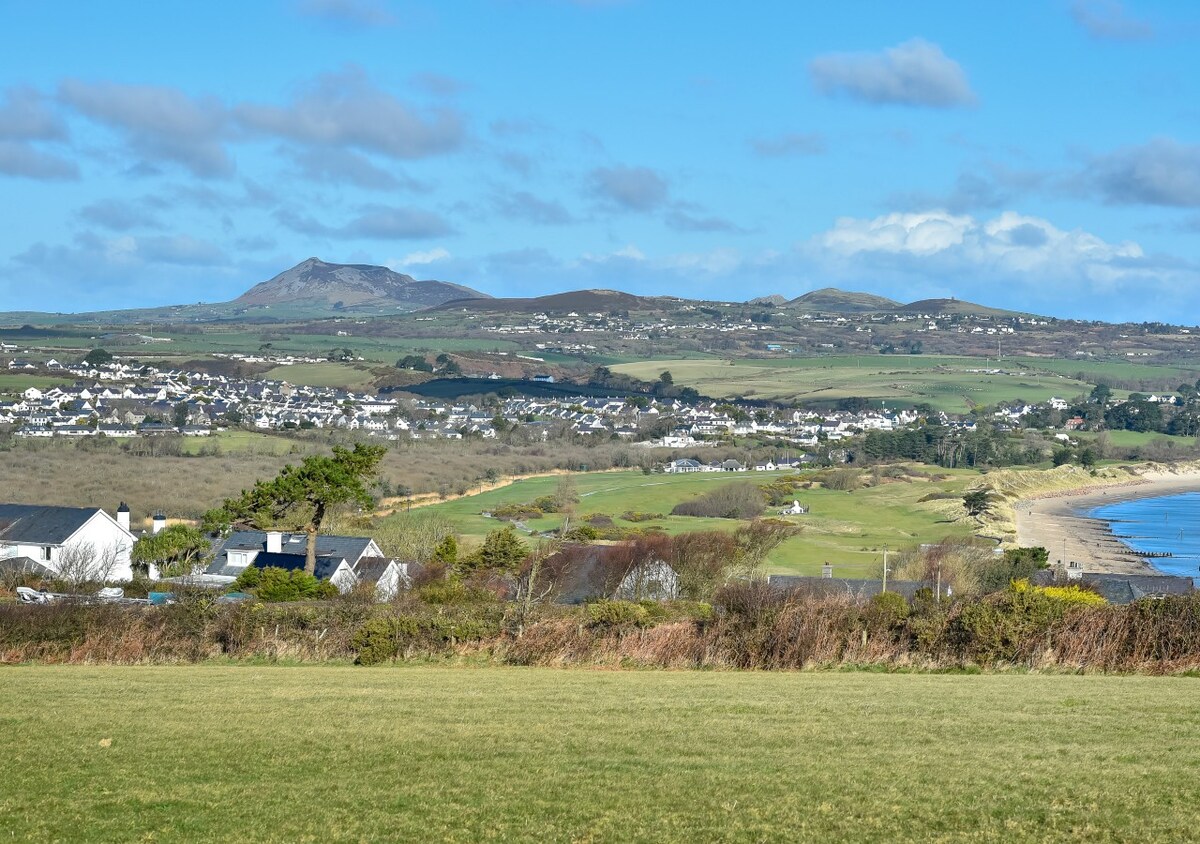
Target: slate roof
<point x="326" y="565"/>
<point x="37" y="525"/>
<point x="1124" y="588"/>
<point x="349" y="548"/>
<point x="857" y="589"/>
<point x="24" y="565"/>
<point x="581" y="573"/>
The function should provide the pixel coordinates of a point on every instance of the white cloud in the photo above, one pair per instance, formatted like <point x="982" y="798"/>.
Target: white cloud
<point x="416" y="259"/>
<point x="1011" y="248"/>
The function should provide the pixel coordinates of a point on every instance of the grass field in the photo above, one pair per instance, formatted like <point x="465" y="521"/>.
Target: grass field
<point x="16" y="384"/>
<point x="1128" y="439"/>
<point x="266" y="753"/>
<point x="943" y="382"/>
<point x="246" y="442"/>
<point x="343" y="375"/>
<point x="848" y="529"/>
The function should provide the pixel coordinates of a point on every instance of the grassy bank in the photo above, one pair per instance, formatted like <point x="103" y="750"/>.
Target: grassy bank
<point x="848" y="529"/>
<point x="334" y="754"/>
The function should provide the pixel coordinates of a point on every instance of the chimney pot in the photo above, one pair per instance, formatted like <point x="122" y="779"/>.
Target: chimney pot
<point x="123" y="515"/>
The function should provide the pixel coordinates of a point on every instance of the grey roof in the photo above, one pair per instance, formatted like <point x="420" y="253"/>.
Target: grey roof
<point x="24" y="565"/>
<point x="326" y="565"/>
<point x="856" y="589"/>
<point x="349" y="548"/>
<point x="1124" y="588"/>
<point x="580" y="573"/>
<point x="38" y="525"/>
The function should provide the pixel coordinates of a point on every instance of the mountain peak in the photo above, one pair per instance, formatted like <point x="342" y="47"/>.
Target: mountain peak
<point x="316" y="281"/>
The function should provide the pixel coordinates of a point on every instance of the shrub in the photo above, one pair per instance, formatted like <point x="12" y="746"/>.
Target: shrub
<point x="845" y="480"/>
<point x="887" y="611"/>
<point x="275" y="584"/>
<point x="605" y="613"/>
<point x="381" y="639"/>
<point x="582" y="533"/>
<point x="634" y="516"/>
<point x="731" y="501"/>
<point x="517" y="512"/>
<point x="1015" y="564"/>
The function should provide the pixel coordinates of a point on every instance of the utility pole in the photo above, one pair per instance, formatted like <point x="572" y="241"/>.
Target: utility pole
<point x="939" y="583"/>
<point x="885" y="568"/>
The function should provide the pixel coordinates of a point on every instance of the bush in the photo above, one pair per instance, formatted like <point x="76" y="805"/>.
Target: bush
<point x="381" y="639"/>
<point x="582" y="533"/>
<point x="731" y="501"/>
<point x="845" y="480"/>
<point x="605" y="613"/>
<point x="634" y="516"/>
<point x="273" y="584"/>
<point x="517" y="512"/>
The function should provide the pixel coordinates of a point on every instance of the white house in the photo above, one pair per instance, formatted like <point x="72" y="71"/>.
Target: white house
<point x="76" y="543"/>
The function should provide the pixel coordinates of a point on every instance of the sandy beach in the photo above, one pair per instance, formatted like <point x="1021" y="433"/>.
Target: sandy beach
<point x="1057" y="522"/>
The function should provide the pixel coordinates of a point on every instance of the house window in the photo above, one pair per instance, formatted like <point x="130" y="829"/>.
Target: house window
<point x="46" y="551"/>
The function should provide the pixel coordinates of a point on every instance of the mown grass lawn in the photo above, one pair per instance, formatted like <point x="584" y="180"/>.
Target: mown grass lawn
<point x="848" y="529"/>
<point x="247" y="753"/>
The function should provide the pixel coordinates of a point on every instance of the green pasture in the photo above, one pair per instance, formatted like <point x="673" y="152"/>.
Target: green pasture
<point x="946" y="384"/>
<point x="847" y="529"/>
<point x="16" y="383"/>
<point x="243" y="442"/>
<point x="1130" y="439"/>
<point x="345" y="375"/>
<point x="253" y="753"/>
<point x="1117" y="370"/>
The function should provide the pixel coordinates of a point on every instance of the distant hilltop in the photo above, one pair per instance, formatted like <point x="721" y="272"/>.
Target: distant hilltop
<point x="831" y="300"/>
<point x="320" y="283"/>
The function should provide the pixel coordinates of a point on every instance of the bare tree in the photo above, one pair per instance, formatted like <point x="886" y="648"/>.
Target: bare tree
<point x="82" y="563"/>
<point x="533" y="587"/>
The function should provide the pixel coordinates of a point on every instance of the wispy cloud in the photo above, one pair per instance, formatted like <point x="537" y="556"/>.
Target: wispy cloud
<point x="356" y="13"/>
<point x="915" y="73"/>
<point x="1161" y="172"/>
<point x="1108" y="19"/>
<point x="629" y="188"/>
<point x="374" y="222"/>
<point x="347" y="110"/>
<point x="159" y="122"/>
<point x="793" y="143"/>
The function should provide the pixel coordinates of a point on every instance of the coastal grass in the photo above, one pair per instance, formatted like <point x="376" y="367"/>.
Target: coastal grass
<point x="423" y="753"/>
<point x="848" y="529"/>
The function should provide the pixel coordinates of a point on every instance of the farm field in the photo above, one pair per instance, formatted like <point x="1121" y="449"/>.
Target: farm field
<point x="16" y="383"/>
<point x="847" y="529"/>
<point x="347" y="376"/>
<point x="944" y="383"/>
<point x="1129" y="439"/>
<point x="430" y="753"/>
<point x="245" y="442"/>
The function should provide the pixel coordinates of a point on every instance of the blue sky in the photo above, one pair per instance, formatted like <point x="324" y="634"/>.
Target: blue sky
<point x="1035" y="155"/>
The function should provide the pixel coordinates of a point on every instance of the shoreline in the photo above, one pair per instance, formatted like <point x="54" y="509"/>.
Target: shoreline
<point x="1059" y="522"/>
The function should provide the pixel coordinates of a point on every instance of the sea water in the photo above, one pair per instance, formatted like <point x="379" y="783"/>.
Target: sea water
<point x="1168" y="524"/>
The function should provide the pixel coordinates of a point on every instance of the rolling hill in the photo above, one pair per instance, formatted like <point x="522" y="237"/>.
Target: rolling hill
<point x="832" y="300"/>
<point x="577" y="301"/>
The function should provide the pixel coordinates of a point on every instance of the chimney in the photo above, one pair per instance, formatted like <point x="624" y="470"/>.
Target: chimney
<point x="159" y="522"/>
<point x="123" y="515"/>
<point x="827" y="571"/>
<point x="274" y="542"/>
